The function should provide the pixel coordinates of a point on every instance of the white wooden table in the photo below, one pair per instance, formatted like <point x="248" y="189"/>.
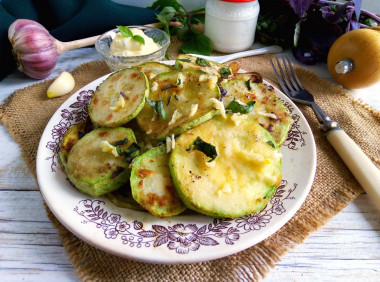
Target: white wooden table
<point x="347" y="248"/>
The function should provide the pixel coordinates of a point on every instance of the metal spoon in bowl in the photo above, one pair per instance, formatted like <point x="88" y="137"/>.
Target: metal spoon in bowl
<point x="225" y="58"/>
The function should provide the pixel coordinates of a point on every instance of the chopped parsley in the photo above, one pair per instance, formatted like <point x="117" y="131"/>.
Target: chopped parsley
<point x="271" y="144"/>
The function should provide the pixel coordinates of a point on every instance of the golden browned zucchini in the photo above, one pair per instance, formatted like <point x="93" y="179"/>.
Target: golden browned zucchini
<point x="119" y="98"/>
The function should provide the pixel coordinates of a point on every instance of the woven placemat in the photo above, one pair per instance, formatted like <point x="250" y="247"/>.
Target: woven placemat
<point x="27" y="111"/>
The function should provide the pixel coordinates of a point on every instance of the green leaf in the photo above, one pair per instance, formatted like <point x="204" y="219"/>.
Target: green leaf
<point x="125" y="31"/>
<point x="139" y="38"/>
<point x="248" y="83"/>
<point x="161" y="4"/>
<point x="202" y="62"/>
<point x="225" y="72"/>
<point x="204" y="147"/>
<point x="130" y="153"/>
<point x="120" y="142"/>
<point x="272" y="144"/>
<point x="165" y="17"/>
<point x="158" y="107"/>
<point x="185" y="60"/>
<point x="197" y="44"/>
<point x="238" y="107"/>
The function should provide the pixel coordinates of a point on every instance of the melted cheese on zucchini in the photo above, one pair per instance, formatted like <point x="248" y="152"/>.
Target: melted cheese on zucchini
<point x="247" y="167"/>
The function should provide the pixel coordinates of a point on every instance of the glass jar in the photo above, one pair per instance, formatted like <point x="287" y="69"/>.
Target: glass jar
<point x="231" y="24"/>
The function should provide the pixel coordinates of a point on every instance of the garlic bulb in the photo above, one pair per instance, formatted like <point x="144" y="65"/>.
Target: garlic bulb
<point x="36" y="51"/>
<point x="33" y="47"/>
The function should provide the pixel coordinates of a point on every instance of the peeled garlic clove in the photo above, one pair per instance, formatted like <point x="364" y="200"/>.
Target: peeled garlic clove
<point x="62" y="85"/>
<point x="34" y="48"/>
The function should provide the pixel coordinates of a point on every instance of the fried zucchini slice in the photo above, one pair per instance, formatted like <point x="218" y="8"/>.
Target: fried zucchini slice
<point x="71" y="137"/>
<point x="186" y="99"/>
<point x="119" y="98"/>
<point x="93" y="168"/>
<point x="151" y="69"/>
<point x="185" y="61"/>
<point x="122" y="198"/>
<point x="268" y="110"/>
<point x="152" y="185"/>
<point x="240" y="180"/>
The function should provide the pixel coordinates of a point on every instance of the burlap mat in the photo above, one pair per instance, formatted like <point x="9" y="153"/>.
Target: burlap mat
<point x="27" y="112"/>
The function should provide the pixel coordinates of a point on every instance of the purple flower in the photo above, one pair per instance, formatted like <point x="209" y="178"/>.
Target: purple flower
<point x="122" y="226"/>
<point x="66" y="114"/>
<point x="113" y="218"/>
<point x="183" y="233"/>
<point x="279" y="209"/>
<point x="253" y="221"/>
<point x="85" y="96"/>
<point x="183" y="247"/>
<point x="111" y="233"/>
<point x="60" y="129"/>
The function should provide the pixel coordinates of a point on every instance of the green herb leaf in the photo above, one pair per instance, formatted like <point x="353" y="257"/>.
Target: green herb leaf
<point x="125" y="31"/>
<point x="139" y="38"/>
<point x="272" y="144"/>
<point x="248" y="83"/>
<point x="165" y="17"/>
<point x="202" y="62"/>
<point x="185" y="60"/>
<point x="130" y="153"/>
<point x="238" y="107"/>
<point x="158" y="107"/>
<point x="225" y="72"/>
<point x="160" y="4"/>
<point x="197" y="44"/>
<point x="204" y="147"/>
<point x="120" y="142"/>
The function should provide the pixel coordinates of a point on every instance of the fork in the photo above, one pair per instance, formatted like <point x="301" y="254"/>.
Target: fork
<point x="247" y="53"/>
<point x="365" y="172"/>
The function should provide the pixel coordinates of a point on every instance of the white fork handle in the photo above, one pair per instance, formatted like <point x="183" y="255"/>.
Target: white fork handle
<point x="363" y="169"/>
<point x="264" y="50"/>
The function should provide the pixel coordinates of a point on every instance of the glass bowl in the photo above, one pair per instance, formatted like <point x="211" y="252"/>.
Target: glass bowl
<point x="104" y="41"/>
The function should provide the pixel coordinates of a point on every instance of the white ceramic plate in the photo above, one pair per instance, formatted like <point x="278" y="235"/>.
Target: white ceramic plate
<point x="180" y="239"/>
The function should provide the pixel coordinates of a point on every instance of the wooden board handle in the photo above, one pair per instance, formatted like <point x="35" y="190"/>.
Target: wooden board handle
<point x="363" y="169"/>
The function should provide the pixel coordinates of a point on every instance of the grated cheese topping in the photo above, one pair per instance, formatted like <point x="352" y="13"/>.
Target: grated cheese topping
<point x="176" y="115"/>
<point x="193" y="110"/>
<point x="120" y="104"/>
<point x="107" y="147"/>
<point x="218" y="105"/>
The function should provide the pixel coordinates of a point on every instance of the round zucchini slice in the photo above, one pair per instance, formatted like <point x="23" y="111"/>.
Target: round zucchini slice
<point x="71" y="137"/>
<point x="92" y="166"/>
<point x="151" y="69"/>
<point x="268" y="109"/>
<point x="152" y="185"/>
<point x="178" y="101"/>
<point x="119" y="98"/>
<point x="240" y="180"/>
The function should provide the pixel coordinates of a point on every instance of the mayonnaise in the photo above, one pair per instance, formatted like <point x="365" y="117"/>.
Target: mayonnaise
<point x="127" y="47"/>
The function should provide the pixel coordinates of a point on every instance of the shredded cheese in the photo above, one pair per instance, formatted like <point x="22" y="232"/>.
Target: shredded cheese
<point x="107" y="147"/>
<point x="270" y="115"/>
<point x="176" y="115"/>
<point x="149" y="131"/>
<point x="218" y="105"/>
<point x="170" y="143"/>
<point x="203" y="77"/>
<point x="120" y="104"/>
<point x="193" y="110"/>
